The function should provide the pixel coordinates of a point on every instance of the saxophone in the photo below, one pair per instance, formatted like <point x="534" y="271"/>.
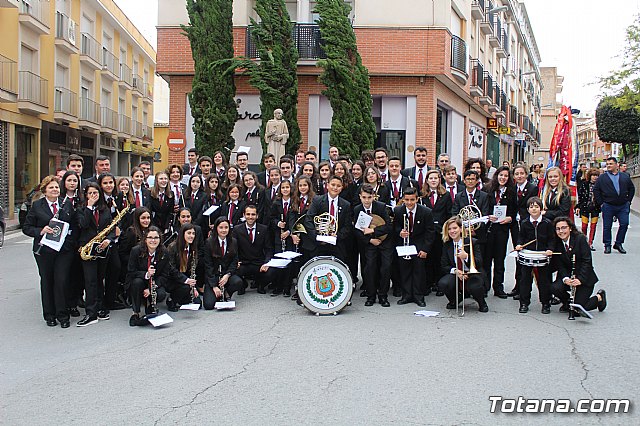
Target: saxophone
<point x="85" y="250"/>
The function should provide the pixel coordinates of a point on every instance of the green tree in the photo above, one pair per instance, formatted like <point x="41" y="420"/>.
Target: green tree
<point x="213" y="107"/>
<point x="275" y="75"/>
<point x="346" y="80"/>
<point x="617" y="125"/>
<point x="623" y="84"/>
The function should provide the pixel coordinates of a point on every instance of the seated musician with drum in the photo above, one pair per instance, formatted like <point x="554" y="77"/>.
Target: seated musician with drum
<point x="376" y="250"/>
<point x="536" y="232"/>
<point x="457" y="267"/>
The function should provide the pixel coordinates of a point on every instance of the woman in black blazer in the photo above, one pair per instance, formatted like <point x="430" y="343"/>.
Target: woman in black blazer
<point x="186" y="253"/>
<point x="301" y="199"/>
<point x="53" y="266"/>
<point x="233" y="214"/>
<point x="94" y="217"/>
<point x="556" y="199"/>
<point x="435" y="196"/>
<point x="162" y="203"/>
<point x="150" y="264"/>
<point x="372" y="177"/>
<point x="71" y="199"/>
<point x="254" y="194"/>
<point x="194" y="198"/>
<point x="575" y="268"/>
<point x="221" y="252"/>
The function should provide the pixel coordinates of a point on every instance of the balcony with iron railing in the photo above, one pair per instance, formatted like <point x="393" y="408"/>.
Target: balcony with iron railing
<point x="486" y="25"/>
<point x="34" y="14"/>
<point x="124" y="126"/>
<point x="495" y="99"/>
<point x="89" y="116"/>
<point x="502" y="50"/>
<point x="147" y="133"/>
<point x="8" y="80"/>
<point x="147" y="92"/>
<point x="138" y="86"/>
<point x="306" y="38"/>
<point x="65" y="105"/>
<point x="459" y="59"/>
<point x="33" y="93"/>
<point x="137" y="129"/>
<point x="90" y="51"/>
<point x="513" y="115"/>
<point x="526" y="124"/>
<point x="66" y="33"/>
<point x="487" y="90"/>
<point x="503" y="102"/>
<point x="109" y="120"/>
<point x="477" y="9"/>
<point x="477" y="78"/>
<point x="110" y="65"/>
<point x="126" y="77"/>
<point x="494" y="37"/>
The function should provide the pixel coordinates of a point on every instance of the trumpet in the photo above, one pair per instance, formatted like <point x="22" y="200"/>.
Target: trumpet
<point x="406" y="239"/>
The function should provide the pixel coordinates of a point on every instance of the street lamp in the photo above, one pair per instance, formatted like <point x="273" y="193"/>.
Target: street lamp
<point x="498" y="9"/>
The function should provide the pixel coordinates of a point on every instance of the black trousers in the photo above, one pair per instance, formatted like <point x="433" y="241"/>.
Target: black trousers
<point x="583" y="294"/>
<point x="234" y="283"/>
<point x="544" y="284"/>
<point x="473" y="286"/>
<point x="180" y="293"/>
<point x="136" y="290"/>
<point x="112" y="277"/>
<point x="262" y="279"/>
<point x="94" y="272"/>
<point x="413" y="274"/>
<point x="515" y="234"/>
<point x="376" y="273"/>
<point x="495" y="253"/>
<point x="54" y="276"/>
<point x="352" y="258"/>
<point x="433" y="261"/>
<point x="76" y="281"/>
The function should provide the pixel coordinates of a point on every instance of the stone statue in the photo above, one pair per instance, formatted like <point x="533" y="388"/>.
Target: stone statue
<point x="276" y="135"/>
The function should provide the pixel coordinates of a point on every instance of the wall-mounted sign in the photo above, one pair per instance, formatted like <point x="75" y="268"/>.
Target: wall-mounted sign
<point x="492" y="123"/>
<point x="504" y="130"/>
<point x="176" y="141"/>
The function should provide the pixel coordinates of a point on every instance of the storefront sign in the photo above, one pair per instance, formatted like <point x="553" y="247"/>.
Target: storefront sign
<point x="492" y="123"/>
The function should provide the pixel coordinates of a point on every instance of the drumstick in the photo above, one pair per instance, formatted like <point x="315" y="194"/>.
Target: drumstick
<point x="524" y="245"/>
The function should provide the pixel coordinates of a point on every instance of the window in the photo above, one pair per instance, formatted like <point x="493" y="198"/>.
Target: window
<point x="441" y="130"/>
<point x="324" y="144"/>
<point x="394" y="142"/>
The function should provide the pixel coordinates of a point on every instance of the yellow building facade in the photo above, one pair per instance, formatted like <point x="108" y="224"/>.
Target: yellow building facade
<point x="76" y="77"/>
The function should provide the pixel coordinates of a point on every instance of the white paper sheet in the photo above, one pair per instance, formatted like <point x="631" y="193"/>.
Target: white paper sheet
<point x="222" y="306"/>
<point x="500" y="211"/>
<point x="190" y="307"/>
<point x="288" y="255"/>
<point x="426" y="313"/>
<point x="278" y="263"/>
<point x="244" y="149"/>
<point x="185" y="180"/>
<point x="210" y="210"/>
<point x="327" y="239"/>
<point x="160" y="320"/>
<point x="364" y="220"/>
<point x="48" y="239"/>
<point x="407" y="250"/>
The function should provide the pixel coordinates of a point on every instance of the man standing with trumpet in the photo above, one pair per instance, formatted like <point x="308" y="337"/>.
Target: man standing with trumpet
<point x="413" y="225"/>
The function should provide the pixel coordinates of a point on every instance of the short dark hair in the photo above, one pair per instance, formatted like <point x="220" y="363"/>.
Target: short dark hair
<point x="145" y="162"/>
<point x="410" y="190"/>
<point x="380" y="149"/>
<point x="334" y="177"/>
<point x="534" y="200"/>
<point x="194" y="150"/>
<point x="420" y="149"/>
<point x="74" y="157"/>
<point x="101" y="158"/>
<point x="366" y="187"/>
<point x="251" y="206"/>
<point x="315" y="154"/>
<point x="449" y="168"/>
<point x="205" y="158"/>
<point x="269" y="155"/>
<point x="472" y="172"/>
<point x="242" y="154"/>
<point x="284" y="159"/>
<point x="614" y="159"/>
<point x="395" y="158"/>
<point x="569" y="222"/>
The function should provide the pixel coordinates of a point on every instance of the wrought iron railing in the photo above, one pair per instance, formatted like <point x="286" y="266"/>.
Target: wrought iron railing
<point x="89" y="47"/>
<point x="513" y="114"/>
<point x="477" y="73"/>
<point x="488" y="85"/>
<point x="306" y="38"/>
<point x="8" y="75"/>
<point x="65" y="101"/>
<point x="33" y="88"/>
<point x="89" y="111"/>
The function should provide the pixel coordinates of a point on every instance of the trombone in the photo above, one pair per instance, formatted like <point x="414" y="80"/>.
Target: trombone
<point x="469" y="216"/>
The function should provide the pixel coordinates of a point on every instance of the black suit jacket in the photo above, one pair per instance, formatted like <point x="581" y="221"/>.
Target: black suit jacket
<point x="196" y="207"/>
<point x="482" y="201"/>
<point x="530" y="190"/>
<point x="258" y="197"/>
<point x="605" y="192"/>
<point x="88" y="228"/>
<point x="39" y="216"/>
<point x="238" y="213"/>
<point x="186" y="169"/>
<point x="441" y="211"/>
<point x="555" y="209"/>
<point x="146" y="197"/>
<point x="379" y="209"/>
<point x="507" y="198"/>
<point x="448" y="260"/>
<point x="424" y="231"/>
<point x="218" y="265"/>
<point x="257" y="253"/>
<point x="544" y="234"/>
<point x="579" y="246"/>
<point x="405" y="182"/>
<point x="161" y="212"/>
<point x="410" y="172"/>
<point x="166" y="274"/>
<point x="319" y="205"/>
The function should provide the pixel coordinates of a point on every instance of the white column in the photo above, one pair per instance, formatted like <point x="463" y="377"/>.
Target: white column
<point x="304" y="14"/>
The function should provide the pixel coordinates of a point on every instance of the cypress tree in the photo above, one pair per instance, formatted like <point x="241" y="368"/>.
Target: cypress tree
<point x="346" y="80"/>
<point x="213" y="107"/>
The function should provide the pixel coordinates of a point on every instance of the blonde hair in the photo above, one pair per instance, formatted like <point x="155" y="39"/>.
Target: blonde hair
<point x="46" y="181"/>
<point x="562" y="186"/>
<point x="445" y="227"/>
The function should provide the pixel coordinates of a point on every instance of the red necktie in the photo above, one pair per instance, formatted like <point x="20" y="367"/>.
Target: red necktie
<point x="498" y="197"/>
<point x="432" y="198"/>
<point x="192" y="198"/>
<point x="519" y="194"/>
<point x="273" y="192"/>
<point x="177" y="191"/>
<point x="231" y="209"/>
<point x="96" y="216"/>
<point x="301" y="205"/>
<point x="332" y="210"/>
<point x="251" y="235"/>
<point x="138" y="199"/>
<point x="248" y="195"/>
<point x="222" y="248"/>
<point x="161" y="199"/>
<point x="535" y="223"/>
<point x="54" y="206"/>
<point x="420" y="179"/>
<point x="213" y="199"/>
<point x="453" y="196"/>
<point x="285" y="209"/>
<point x="383" y="176"/>
<point x="410" y="222"/>
<point x="395" y="190"/>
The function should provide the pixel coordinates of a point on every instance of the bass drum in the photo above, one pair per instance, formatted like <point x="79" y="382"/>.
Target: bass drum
<point x="325" y="285"/>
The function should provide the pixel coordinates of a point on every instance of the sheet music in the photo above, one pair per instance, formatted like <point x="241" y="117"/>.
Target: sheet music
<point x="278" y="263"/>
<point x="222" y="306"/>
<point x="500" y="212"/>
<point x="288" y="255"/>
<point x="327" y="239"/>
<point x="190" y="307"/>
<point x="210" y="210"/>
<point x="364" y="220"/>
<point x="407" y="250"/>
<point x="55" y="241"/>
<point x="160" y="320"/>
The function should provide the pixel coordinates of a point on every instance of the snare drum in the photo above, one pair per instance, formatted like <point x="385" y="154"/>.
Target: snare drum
<point x="532" y="258"/>
<point x="325" y="285"/>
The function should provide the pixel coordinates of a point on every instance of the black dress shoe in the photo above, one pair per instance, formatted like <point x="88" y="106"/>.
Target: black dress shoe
<point x="421" y="303"/>
<point x="384" y="302"/>
<point x="516" y="297"/>
<point x="451" y="305"/>
<point x="74" y="312"/>
<point x="564" y="308"/>
<point x="65" y="324"/>
<point x="52" y="323"/>
<point x="286" y="292"/>
<point x="555" y="300"/>
<point x="370" y="302"/>
<point x="242" y="291"/>
<point x="261" y="290"/>
<point x="404" y="301"/>
<point x="103" y="315"/>
<point x="133" y="321"/>
<point x="523" y="309"/>
<point x="483" y="307"/>
<point x="607" y="250"/>
<point x="620" y="248"/>
<point x="439" y="293"/>
<point x="513" y="292"/>
<point x="501" y="295"/>
<point x="276" y="292"/>
<point x="602" y="305"/>
<point x="363" y="293"/>
<point x="546" y="309"/>
<point x="87" y="320"/>
<point x="592" y="248"/>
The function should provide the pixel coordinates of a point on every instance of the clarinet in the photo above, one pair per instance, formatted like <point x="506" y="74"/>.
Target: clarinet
<point x="573" y="288"/>
<point x="194" y="265"/>
<point x="282" y="242"/>
<point x="224" y="298"/>
<point x="153" y="288"/>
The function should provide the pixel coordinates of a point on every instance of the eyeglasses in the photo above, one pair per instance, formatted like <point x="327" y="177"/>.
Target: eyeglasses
<point x="562" y="228"/>
<point x="153" y="238"/>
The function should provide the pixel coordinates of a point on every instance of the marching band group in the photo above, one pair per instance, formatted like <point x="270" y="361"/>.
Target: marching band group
<point x="204" y="231"/>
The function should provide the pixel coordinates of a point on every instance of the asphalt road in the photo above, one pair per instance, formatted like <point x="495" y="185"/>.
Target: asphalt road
<point x="271" y="362"/>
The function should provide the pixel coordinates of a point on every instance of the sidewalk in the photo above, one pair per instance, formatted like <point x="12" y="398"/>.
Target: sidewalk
<point x="635" y="206"/>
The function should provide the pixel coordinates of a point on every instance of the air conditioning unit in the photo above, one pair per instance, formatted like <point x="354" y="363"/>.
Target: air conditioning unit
<point x="72" y="32"/>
